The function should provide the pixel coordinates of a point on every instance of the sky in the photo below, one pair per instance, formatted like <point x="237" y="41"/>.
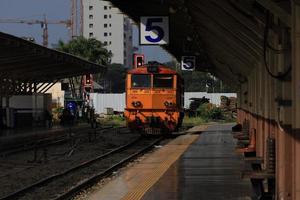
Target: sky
<point x="55" y="10"/>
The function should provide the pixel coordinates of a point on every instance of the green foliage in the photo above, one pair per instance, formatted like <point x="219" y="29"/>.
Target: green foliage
<point x="193" y="121"/>
<point x="89" y="49"/>
<point x="210" y="112"/>
<point x="114" y="120"/>
<point x="216" y="113"/>
<point x="197" y="81"/>
<point x="56" y="112"/>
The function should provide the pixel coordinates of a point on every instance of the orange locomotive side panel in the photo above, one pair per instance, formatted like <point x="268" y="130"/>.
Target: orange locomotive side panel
<point x="153" y="100"/>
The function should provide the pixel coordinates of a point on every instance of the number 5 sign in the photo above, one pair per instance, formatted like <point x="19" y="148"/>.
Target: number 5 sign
<point x="154" y="30"/>
<point x="188" y="63"/>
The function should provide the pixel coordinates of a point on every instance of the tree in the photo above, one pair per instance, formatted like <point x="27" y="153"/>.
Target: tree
<point x="89" y="49"/>
<point x="114" y="79"/>
<point x="196" y="81"/>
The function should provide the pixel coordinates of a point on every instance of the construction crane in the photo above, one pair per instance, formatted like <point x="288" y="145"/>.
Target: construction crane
<point x="44" y="25"/>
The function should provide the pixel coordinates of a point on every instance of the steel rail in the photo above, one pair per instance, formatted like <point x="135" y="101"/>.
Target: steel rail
<point x="48" y="179"/>
<point x="94" y="179"/>
<point x="47" y="141"/>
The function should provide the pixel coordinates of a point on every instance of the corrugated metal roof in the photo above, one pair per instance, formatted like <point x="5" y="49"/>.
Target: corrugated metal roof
<point x="226" y="36"/>
<point x="23" y="60"/>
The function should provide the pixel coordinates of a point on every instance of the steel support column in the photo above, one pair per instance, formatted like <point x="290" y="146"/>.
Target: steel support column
<point x="296" y="97"/>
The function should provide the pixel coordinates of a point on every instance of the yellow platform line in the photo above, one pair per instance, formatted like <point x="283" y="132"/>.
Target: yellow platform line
<point x="176" y="151"/>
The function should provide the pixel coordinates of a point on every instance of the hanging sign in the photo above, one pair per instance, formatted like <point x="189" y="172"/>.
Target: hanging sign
<point x="188" y="63"/>
<point x="154" y="30"/>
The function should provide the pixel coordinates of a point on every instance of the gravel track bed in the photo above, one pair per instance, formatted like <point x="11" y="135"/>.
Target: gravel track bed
<point x="58" y="186"/>
<point x="17" y="172"/>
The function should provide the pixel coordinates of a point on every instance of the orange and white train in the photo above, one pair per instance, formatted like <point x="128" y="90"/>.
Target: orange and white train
<point x="154" y="99"/>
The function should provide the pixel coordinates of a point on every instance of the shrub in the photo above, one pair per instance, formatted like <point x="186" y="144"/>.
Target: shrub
<point x="209" y="111"/>
<point x="216" y="113"/>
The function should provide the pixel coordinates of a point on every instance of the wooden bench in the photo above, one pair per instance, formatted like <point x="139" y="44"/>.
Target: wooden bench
<point x="257" y="175"/>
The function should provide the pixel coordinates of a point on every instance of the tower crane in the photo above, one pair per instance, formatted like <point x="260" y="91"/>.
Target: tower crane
<point x="44" y="25"/>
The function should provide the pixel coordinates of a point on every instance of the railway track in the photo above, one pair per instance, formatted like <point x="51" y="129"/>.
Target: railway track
<point x="48" y="141"/>
<point x="68" y="183"/>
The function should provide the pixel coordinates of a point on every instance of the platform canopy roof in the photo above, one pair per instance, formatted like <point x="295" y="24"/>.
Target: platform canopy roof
<point x="22" y="60"/>
<point x="227" y="36"/>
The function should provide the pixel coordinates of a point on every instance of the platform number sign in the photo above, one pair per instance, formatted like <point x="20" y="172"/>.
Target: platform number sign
<point x="154" y="30"/>
<point x="188" y="63"/>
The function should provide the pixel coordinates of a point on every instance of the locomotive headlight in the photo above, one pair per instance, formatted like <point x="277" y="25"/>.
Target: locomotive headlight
<point x="136" y="104"/>
<point x="168" y="104"/>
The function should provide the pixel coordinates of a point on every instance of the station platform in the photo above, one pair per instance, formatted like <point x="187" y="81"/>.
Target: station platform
<point x="190" y="167"/>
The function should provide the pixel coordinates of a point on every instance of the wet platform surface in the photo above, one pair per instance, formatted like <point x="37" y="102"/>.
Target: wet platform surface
<point x="209" y="169"/>
<point x="191" y="167"/>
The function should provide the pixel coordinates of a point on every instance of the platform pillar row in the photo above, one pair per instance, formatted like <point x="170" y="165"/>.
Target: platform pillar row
<point x="296" y="97"/>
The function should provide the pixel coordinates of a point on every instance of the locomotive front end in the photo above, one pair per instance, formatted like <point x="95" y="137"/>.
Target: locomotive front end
<point x="153" y="103"/>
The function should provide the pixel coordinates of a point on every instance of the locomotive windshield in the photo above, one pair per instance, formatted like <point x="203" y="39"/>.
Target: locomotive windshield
<point x="141" y="81"/>
<point x="163" y="81"/>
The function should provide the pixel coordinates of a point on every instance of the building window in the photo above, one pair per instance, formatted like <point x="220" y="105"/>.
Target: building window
<point x="109" y="25"/>
<point x="124" y="44"/>
<point x="91" y="34"/>
<point x="91" y="25"/>
<point x="91" y="7"/>
<point x="124" y="53"/>
<point x="105" y="43"/>
<point x="109" y="33"/>
<point x="105" y="16"/>
<point x="105" y="7"/>
<point x="109" y="16"/>
<point x="91" y="16"/>
<point x="109" y="7"/>
<point x="109" y="42"/>
<point x="105" y="25"/>
<point x="105" y="34"/>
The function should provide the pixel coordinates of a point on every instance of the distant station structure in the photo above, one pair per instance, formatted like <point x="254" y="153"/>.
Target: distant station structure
<point x="29" y="70"/>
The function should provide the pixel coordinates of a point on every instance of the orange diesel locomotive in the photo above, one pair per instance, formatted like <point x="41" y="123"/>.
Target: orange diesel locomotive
<point x="154" y="99"/>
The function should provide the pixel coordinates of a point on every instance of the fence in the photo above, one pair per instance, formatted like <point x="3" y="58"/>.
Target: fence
<point x="117" y="101"/>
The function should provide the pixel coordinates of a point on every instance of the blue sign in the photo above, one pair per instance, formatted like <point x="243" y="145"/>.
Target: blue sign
<point x="72" y="107"/>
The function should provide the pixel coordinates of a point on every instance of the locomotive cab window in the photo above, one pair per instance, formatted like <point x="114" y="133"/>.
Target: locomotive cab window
<point x="163" y="81"/>
<point x="141" y="81"/>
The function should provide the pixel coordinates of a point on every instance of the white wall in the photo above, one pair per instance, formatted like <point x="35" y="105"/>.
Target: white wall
<point x="103" y="101"/>
<point x="117" y="101"/>
<point x="58" y="95"/>
<point x="214" y="98"/>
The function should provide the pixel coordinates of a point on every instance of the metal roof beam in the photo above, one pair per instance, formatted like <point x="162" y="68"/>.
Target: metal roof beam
<point x="15" y="60"/>
<point x="277" y="11"/>
<point x="219" y="40"/>
<point x="249" y="23"/>
<point x="215" y="46"/>
<point x="230" y="60"/>
<point x="227" y="30"/>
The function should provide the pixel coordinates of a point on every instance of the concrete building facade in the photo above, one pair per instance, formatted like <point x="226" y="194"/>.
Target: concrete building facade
<point x="106" y="23"/>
